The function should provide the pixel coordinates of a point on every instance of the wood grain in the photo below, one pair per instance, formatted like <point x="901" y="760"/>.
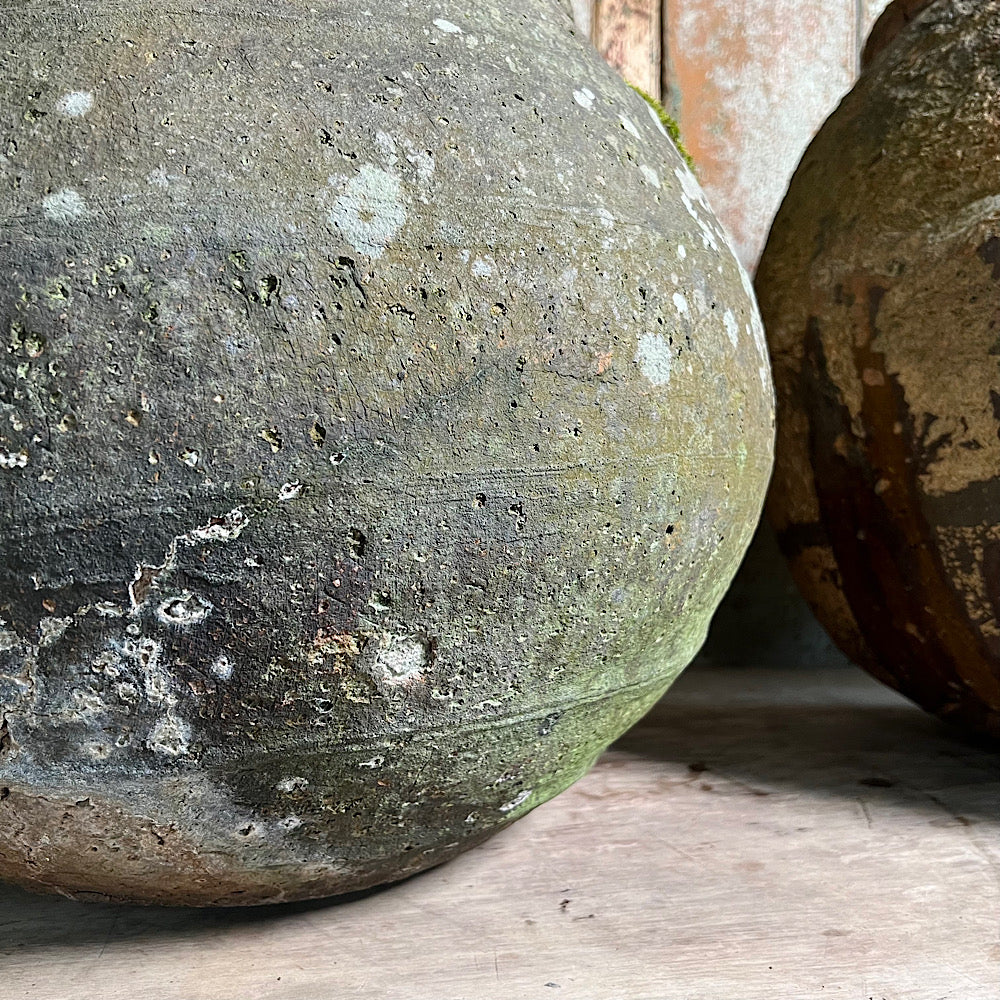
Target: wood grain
<point x="627" y="33"/>
<point x="583" y="15"/>
<point x="749" y="82"/>
<point x="792" y="834"/>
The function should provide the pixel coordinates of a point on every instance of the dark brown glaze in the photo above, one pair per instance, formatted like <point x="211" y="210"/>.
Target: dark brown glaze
<point x="892" y="573"/>
<point x="879" y="290"/>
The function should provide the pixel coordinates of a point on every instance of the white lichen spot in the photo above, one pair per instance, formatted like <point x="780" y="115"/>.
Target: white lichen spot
<point x="140" y="585"/>
<point x="746" y="283"/>
<point x="518" y="800"/>
<point x="605" y="218"/>
<point x="629" y="126"/>
<point x="190" y="458"/>
<point x="482" y="268"/>
<point x="75" y="104"/>
<point x="732" y="327"/>
<point x="290" y="491"/>
<point x="682" y="251"/>
<point x="372" y="763"/>
<point x="64" y="206"/>
<point x="51" y="630"/>
<point x="223" y="668"/>
<point x="108" y="663"/>
<point x="155" y="678"/>
<point x="584" y="97"/>
<point x="289" y="785"/>
<point x="290" y="823"/>
<point x="421" y="159"/>
<point x="447" y="27"/>
<point x="8" y="638"/>
<point x="708" y="238"/>
<point x="681" y="304"/>
<point x="13" y="459"/>
<point x="184" y="609"/>
<point x="170" y="737"/>
<point x="690" y="186"/>
<point x="385" y="145"/>
<point x="370" y="212"/>
<point x="652" y="177"/>
<point x="379" y="602"/>
<point x="127" y="692"/>
<point x="218" y="529"/>
<point x="88" y="703"/>
<point x="401" y="659"/>
<point x="159" y="178"/>
<point x="757" y="332"/>
<point x="655" y="358"/>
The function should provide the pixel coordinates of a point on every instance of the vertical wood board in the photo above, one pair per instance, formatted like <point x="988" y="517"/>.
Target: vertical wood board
<point x="750" y="81"/>
<point x="627" y="33"/>
<point x="583" y="15"/>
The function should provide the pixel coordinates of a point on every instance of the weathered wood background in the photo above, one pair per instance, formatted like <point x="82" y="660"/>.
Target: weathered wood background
<point x="749" y="82"/>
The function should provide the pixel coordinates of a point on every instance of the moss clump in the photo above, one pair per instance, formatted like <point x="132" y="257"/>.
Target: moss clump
<point x="673" y="129"/>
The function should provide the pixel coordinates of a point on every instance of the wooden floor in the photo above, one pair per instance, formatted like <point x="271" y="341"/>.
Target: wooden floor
<point x="763" y="834"/>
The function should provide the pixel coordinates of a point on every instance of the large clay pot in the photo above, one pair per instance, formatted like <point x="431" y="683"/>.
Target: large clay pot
<point x="384" y="415"/>
<point x="879" y="292"/>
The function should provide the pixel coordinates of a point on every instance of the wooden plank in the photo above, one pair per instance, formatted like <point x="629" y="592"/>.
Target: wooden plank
<point x="628" y="33"/>
<point x="749" y="82"/>
<point x="583" y="15"/>
<point x="793" y="834"/>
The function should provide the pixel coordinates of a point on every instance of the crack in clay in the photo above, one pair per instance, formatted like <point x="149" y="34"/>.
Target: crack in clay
<point x="218" y="529"/>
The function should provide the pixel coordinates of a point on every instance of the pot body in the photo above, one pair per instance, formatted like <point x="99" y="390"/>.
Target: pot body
<point x="879" y="290"/>
<point x="384" y="415"/>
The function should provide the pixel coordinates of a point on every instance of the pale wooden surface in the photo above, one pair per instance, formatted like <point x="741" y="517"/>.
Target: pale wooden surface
<point x="749" y="82"/>
<point x="628" y="34"/>
<point x="829" y="841"/>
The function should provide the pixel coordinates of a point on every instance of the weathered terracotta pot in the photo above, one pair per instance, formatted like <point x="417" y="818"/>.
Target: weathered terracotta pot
<point x="384" y="415"/>
<point x="879" y="292"/>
